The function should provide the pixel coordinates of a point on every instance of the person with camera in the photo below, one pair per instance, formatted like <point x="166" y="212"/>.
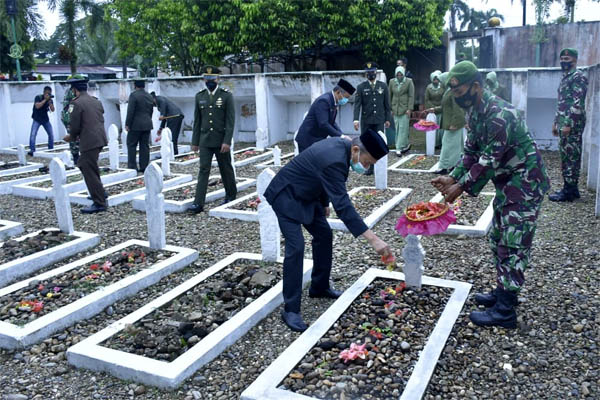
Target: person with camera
<point x="42" y="103"/>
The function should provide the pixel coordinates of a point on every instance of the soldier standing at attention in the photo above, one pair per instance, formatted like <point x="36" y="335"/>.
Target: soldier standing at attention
<point x="569" y="124"/>
<point x="87" y="125"/>
<point x="138" y="125"/>
<point x="402" y="93"/>
<point x="499" y="147"/>
<point x="372" y="104"/>
<point x="65" y="116"/>
<point x="214" y="119"/>
<point x="170" y="116"/>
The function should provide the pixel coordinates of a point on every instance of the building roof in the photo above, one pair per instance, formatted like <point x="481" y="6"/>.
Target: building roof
<point x="66" y="69"/>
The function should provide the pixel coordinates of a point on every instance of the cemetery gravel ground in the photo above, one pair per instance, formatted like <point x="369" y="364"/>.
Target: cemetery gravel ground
<point x="553" y="354"/>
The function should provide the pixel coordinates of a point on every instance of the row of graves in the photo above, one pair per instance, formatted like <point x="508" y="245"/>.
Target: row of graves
<point x="42" y="304"/>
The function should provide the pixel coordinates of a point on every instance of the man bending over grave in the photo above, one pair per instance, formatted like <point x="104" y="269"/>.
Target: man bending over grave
<point x="87" y="126"/>
<point x="498" y="147"/>
<point x="300" y="194"/>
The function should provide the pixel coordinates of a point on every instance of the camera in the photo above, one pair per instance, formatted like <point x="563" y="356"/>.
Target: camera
<point x="51" y="96"/>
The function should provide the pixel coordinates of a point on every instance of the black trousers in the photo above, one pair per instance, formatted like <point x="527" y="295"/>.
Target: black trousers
<point x="133" y="139"/>
<point x="322" y="244"/>
<point x="88" y="164"/>
<point x="375" y="127"/>
<point x="174" y="124"/>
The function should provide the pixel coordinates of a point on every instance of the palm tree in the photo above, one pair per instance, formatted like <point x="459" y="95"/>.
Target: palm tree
<point x="458" y="10"/>
<point x="69" y="9"/>
<point x="478" y="20"/>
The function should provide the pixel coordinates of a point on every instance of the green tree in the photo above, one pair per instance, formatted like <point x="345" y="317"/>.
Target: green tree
<point x="459" y="10"/>
<point x="68" y="10"/>
<point x="28" y="26"/>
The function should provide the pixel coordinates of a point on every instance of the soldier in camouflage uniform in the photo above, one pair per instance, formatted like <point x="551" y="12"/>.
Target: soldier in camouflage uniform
<point x="569" y="124"/>
<point x="65" y="117"/>
<point x="499" y="147"/>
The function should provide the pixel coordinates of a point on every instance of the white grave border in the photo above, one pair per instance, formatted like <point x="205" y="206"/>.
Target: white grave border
<point x="185" y="162"/>
<point x="396" y="166"/>
<point x="91" y="355"/>
<point x="265" y="386"/>
<point x="9" y="228"/>
<point x="483" y="224"/>
<point x="6" y="187"/>
<point x="264" y="154"/>
<point x="20" y="168"/>
<point x="180" y="206"/>
<point x="13" y="336"/>
<point x="271" y="163"/>
<point x="14" y="150"/>
<point x="29" y="190"/>
<point x="123" y="197"/>
<point x="371" y="220"/>
<point x="14" y="269"/>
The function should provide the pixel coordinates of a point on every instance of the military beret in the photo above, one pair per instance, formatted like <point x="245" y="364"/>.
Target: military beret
<point x="139" y="83"/>
<point x="210" y="72"/>
<point x="79" y="83"/>
<point x="347" y="86"/>
<point x="569" y="51"/>
<point x="371" y="66"/>
<point x="374" y="144"/>
<point x="463" y="72"/>
<point x="76" y="77"/>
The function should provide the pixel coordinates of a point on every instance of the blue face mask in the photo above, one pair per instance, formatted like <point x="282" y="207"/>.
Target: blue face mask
<point x="343" y="101"/>
<point x="357" y="166"/>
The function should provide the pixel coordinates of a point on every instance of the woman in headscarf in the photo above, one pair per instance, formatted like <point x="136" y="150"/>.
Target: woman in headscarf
<point x="453" y="123"/>
<point x="433" y="98"/>
<point x="492" y="84"/>
<point x="402" y="94"/>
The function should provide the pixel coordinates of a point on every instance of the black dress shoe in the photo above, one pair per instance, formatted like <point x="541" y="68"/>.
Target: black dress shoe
<point x="105" y="196"/>
<point x="94" y="208"/>
<point x="294" y="321"/>
<point x="195" y="209"/>
<point x="30" y="153"/>
<point x="441" y="172"/>
<point x="328" y="293"/>
<point x="406" y="149"/>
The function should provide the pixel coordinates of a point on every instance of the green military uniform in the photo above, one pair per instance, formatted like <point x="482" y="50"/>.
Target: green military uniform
<point x="452" y="124"/>
<point x="433" y="99"/>
<point x="65" y="117"/>
<point x="214" y="120"/>
<point x="372" y="103"/>
<point x="402" y="93"/>
<point x="570" y="112"/>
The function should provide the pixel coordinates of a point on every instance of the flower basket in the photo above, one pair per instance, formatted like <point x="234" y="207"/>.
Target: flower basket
<point x="425" y="218"/>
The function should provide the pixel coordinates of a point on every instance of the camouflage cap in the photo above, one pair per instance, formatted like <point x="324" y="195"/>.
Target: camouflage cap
<point x="463" y="72"/>
<point x="569" y="51"/>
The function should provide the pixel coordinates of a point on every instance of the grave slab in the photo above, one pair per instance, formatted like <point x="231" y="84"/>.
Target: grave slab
<point x="14" y="150"/>
<point x="483" y="225"/>
<point x="264" y="154"/>
<point x="90" y="354"/>
<point x="154" y="152"/>
<point x="397" y="166"/>
<point x="14" y="269"/>
<point x="271" y="163"/>
<point x="9" y="228"/>
<point x="30" y="189"/>
<point x="63" y="153"/>
<point x="9" y="181"/>
<point x="14" y="336"/>
<point x="180" y="159"/>
<point x="265" y="387"/>
<point x="20" y="168"/>
<point x="180" y="206"/>
<point x="225" y="211"/>
<point x="81" y="197"/>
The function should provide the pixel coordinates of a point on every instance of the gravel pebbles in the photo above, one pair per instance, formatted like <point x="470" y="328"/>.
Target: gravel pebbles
<point x="552" y="354"/>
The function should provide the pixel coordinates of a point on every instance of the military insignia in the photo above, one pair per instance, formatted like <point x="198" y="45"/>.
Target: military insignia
<point x="380" y="90"/>
<point x="71" y="107"/>
<point x="368" y="65"/>
<point x="209" y="70"/>
<point x="453" y="82"/>
<point x="219" y="102"/>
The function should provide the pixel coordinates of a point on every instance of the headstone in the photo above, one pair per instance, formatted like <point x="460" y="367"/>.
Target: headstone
<point x="277" y="156"/>
<point x="262" y="138"/>
<point x="61" y="196"/>
<point x="124" y="142"/>
<point x="165" y="152"/>
<point x="21" y="154"/>
<point x="231" y="150"/>
<point x="171" y="140"/>
<point x="67" y="158"/>
<point x="113" y="147"/>
<point x="381" y="168"/>
<point x="269" y="227"/>
<point x="430" y="136"/>
<point x="296" y="150"/>
<point x="155" y="206"/>
<point x="413" y="254"/>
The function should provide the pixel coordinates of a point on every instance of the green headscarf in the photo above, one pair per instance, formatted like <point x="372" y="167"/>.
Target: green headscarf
<point x="491" y="76"/>
<point x="399" y="68"/>
<point x="444" y="78"/>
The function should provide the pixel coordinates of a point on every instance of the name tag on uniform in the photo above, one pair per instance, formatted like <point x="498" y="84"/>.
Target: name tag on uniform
<point x="202" y="102"/>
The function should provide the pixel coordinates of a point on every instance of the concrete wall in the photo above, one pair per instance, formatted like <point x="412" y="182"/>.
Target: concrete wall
<point x="513" y="47"/>
<point x="271" y="104"/>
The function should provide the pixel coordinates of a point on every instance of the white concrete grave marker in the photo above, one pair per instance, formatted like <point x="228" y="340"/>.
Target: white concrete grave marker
<point x="269" y="227"/>
<point x="413" y="254"/>
<point x="232" y="158"/>
<point x="277" y="156"/>
<point x="170" y="134"/>
<point x="155" y="206"/>
<point x="67" y="158"/>
<point x="61" y="196"/>
<point x="430" y="136"/>
<point x="124" y="142"/>
<point x="262" y="138"/>
<point x="21" y="154"/>
<point x="381" y="166"/>
<point x="113" y="147"/>
<point x="165" y="151"/>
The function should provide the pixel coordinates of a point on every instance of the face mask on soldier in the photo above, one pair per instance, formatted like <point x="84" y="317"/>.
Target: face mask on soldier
<point x="371" y="76"/>
<point x="566" y="65"/>
<point x="211" y="85"/>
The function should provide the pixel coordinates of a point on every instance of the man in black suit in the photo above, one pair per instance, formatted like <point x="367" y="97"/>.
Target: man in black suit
<point x="319" y="123"/>
<point x="300" y="194"/>
<point x="138" y="125"/>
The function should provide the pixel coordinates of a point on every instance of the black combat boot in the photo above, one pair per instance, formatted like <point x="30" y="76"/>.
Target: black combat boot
<point x="574" y="190"/>
<point x="501" y="314"/>
<point x="486" y="299"/>
<point x="564" y="194"/>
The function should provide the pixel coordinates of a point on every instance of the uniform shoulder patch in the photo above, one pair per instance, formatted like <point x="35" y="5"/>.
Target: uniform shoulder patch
<point x="225" y="89"/>
<point x="71" y="107"/>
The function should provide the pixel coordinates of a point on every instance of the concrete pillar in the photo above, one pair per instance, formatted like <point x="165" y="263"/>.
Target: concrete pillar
<point x="7" y="138"/>
<point x="451" y="52"/>
<point x="317" y="86"/>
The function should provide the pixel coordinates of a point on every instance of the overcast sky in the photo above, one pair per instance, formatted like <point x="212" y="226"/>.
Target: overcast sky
<point x="512" y="12"/>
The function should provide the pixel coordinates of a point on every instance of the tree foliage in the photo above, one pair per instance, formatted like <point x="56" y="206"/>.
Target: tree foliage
<point x="28" y="26"/>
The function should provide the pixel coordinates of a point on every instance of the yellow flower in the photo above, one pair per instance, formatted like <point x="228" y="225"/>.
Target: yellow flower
<point x="48" y="295"/>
